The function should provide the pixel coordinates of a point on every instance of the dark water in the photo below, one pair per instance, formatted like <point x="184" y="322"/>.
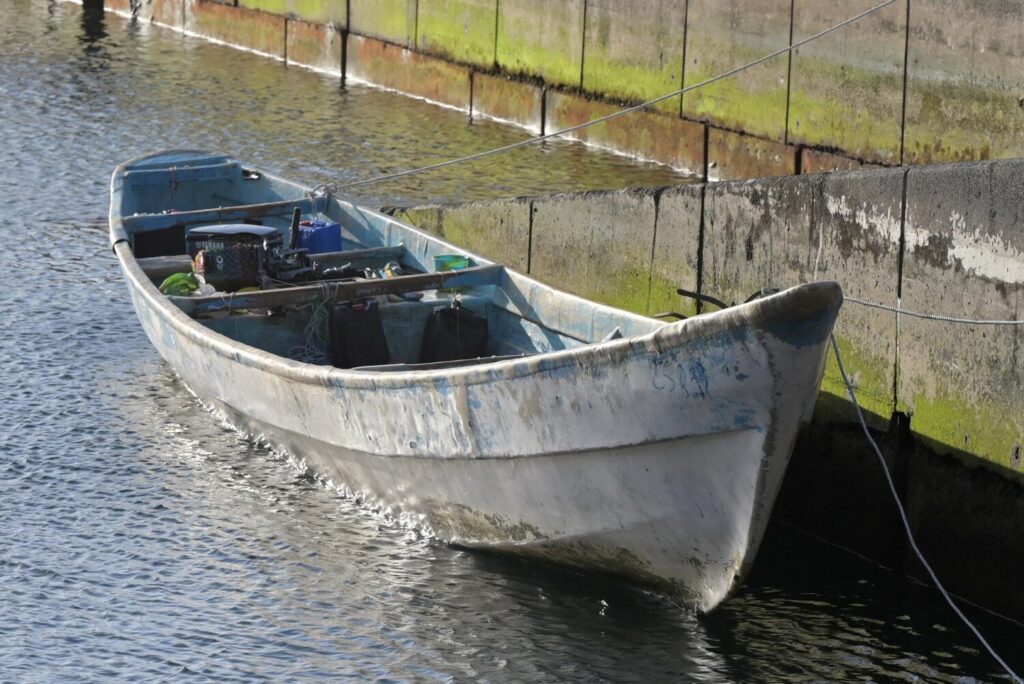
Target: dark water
<point x="142" y="540"/>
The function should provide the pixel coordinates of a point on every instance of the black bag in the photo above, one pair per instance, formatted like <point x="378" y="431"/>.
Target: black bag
<point x="453" y="334"/>
<point x="356" y="336"/>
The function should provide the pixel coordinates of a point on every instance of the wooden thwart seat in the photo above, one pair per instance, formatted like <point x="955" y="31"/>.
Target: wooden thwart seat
<point x="341" y="290"/>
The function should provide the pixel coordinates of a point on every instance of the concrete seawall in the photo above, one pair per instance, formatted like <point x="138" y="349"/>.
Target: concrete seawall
<point x="921" y="81"/>
<point x="946" y="398"/>
<point x="945" y="239"/>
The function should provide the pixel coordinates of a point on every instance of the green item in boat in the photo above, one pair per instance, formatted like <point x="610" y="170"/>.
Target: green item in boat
<point x="180" y="284"/>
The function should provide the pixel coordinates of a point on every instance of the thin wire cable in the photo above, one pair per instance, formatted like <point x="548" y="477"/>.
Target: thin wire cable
<point x="613" y="115"/>
<point x="906" y="523"/>
<point x="933" y="317"/>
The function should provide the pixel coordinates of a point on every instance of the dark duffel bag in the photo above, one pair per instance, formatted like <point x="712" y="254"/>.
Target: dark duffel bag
<point x="453" y="334"/>
<point x="357" y="335"/>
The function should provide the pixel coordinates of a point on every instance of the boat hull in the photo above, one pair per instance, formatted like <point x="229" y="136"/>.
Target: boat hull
<point x="656" y="458"/>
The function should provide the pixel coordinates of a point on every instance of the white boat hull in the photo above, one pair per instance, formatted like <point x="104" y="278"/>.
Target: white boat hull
<point x="657" y="457"/>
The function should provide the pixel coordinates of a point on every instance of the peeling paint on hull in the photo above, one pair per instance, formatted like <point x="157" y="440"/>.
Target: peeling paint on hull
<point x="656" y="456"/>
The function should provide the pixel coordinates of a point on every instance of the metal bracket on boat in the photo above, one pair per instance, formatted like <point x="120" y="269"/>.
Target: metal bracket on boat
<point x="700" y="297"/>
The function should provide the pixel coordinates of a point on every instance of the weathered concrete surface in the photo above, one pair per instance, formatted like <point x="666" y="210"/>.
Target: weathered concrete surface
<point x="463" y="30"/>
<point x="315" y="45"/>
<point x="844" y="227"/>
<point x="498" y="230"/>
<point x="542" y="38"/>
<point x="164" y="12"/>
<point x="120" y="6"/>
<point x="733" y="156"/>
<point x="816" y="161"/>
<point x="596" y="245"/>
<point x="507" y="99"/>
<point x="395" y="67"/>
<point x="676" y="249"/>
<point x="258" y="31"/>
<point x="857" y="227"/>
<point x="963" y="255"/>
<point x="847" y="88"/>
<point x="645" y="135"/>
<point x="390" y="20"/>
<point x="334" y="12"/>
<point x="965" y="81"/>
<point x="634" y="50"/>
<point x="965" y="258"/>
<point x="723" y="34"/>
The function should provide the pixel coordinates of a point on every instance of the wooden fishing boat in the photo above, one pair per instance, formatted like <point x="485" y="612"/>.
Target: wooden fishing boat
<point x="581" y="434"/>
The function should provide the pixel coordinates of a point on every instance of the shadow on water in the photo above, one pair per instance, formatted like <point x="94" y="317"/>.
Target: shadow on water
<point x="94" y="27"/>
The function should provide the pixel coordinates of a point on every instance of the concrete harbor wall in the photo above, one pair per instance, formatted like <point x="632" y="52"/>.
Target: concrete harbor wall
<point x="921" y="81"/>
<point x="945" y="398"/>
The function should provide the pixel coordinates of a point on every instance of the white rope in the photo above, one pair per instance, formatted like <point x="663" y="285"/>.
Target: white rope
<point x="906" y="524"/>
<point x="932" y="317"/>
<point x="613" y="115"/>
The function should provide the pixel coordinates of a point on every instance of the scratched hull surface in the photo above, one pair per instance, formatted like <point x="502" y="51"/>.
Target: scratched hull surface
<point x="657" y="456"/>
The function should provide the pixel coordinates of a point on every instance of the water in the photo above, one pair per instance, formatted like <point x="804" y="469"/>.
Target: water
<point x="140" y="539"/>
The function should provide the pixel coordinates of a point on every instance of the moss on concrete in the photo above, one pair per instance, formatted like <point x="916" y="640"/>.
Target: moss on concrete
<point x="634" y="51"/>
<point x="736" y="104"/>
<point x="872" y="381"/>
<point x="958" y="122"/>
<point x="992" y="432"/>
<point x="391" y="20"/>
<point x="843" y="106"/>
<point x="461" y="29"/>
<point x="541" y="38"/>
<point x="663" y="295"/>
<point x="316" y="11"/>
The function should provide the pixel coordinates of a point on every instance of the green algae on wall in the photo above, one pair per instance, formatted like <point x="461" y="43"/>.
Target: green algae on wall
<point x="965" y="81"/>
<point x="315" y="11"/>
<point x="723" y="34"/>
<point x="596" y="245"/>
<point x="871" y="377"/>
<point x="847" y="88"/>
<point x="983" y="428"/>
<point x="498" y="230"/>
<point x="463" y="30"/>
<point x="634" y="51"/>
<point x="390" y="20"/>
<point x="542" y="38"/>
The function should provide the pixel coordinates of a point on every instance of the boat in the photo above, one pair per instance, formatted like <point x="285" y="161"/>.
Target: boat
<point x="579" y="433"/>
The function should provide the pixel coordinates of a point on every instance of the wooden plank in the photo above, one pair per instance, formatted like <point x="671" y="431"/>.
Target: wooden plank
<point x="336" y="258"/>
<point x="141" y="223"/>
<point x="340" y="290"/>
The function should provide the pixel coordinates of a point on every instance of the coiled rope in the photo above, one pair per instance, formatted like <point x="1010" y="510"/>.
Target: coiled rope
<point x="330" y="188"/>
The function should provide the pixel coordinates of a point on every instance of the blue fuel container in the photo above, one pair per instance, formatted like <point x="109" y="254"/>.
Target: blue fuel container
<point x="319" y="236"/>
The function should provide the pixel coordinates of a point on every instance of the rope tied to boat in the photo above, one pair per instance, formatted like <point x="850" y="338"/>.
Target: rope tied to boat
<point x="898" y="309"/>
<point x="903" y="514"/>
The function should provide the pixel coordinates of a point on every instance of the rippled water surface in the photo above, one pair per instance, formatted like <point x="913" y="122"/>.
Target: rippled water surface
<point x="140" y="539"/>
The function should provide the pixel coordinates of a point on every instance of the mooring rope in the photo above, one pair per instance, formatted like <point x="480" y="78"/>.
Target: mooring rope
<point x="608" y="117"/>
<point x="932" y="317"/>
<point x="906" y="523"/>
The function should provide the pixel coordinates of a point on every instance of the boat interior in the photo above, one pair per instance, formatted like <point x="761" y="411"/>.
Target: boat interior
<point x="385" y="297"/>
